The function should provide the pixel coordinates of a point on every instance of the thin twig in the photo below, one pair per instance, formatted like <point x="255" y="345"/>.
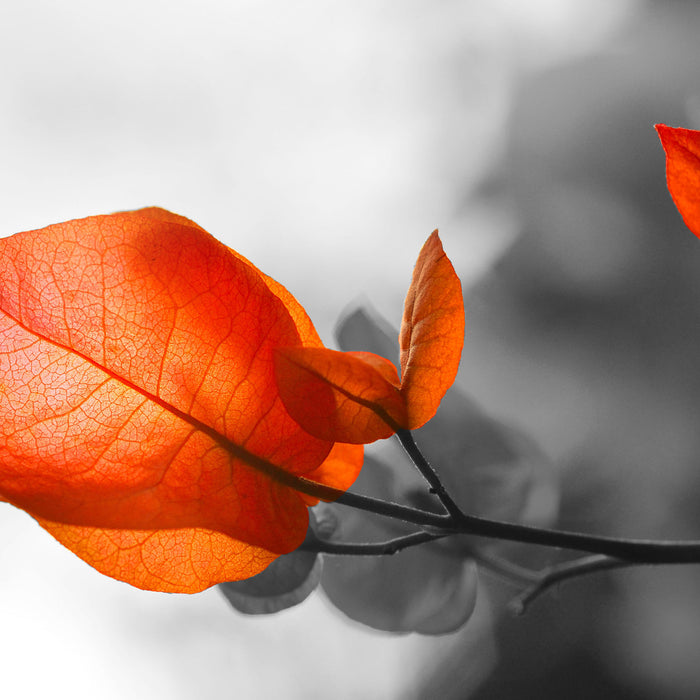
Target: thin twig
<point x="429" y="474"/>
<point x="558" y="573"/>
<point x="397" y="511"/>
<point x="505" y="569"/>
<point x="637" y="551"/>
<point x="371" y="548"/>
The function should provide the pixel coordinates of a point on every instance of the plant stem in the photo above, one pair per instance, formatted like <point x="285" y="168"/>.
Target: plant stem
<point x="630" y="550"/>
<point x="429" y="474"/>
<point x="497" y="565"/>
<point x="397" y="511"/>
<point x="457" y="522"/>
<point x="639" y="551"/>
<point x="558" y="573"/>
<point x="371" y="548"/>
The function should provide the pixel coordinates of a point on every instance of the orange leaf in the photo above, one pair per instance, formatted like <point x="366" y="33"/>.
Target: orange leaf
<point x="682" y="147"/>
<point x="348" y="397"/>
<point x="356" y="397"/>
<point x="172" y="561"/>
<point x="305" y="328"/>
<point x="139" y="395"/>
<point x="432" y="333"/>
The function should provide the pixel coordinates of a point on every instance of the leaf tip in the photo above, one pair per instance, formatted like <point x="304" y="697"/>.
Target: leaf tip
<point x="682" y="149"/>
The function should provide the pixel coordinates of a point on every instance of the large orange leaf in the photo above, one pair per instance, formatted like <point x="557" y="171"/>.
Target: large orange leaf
<point x="305" y="326"/>
<point x="138" y="395"/>
<point x="357" y="397"/>
<point x="184" y="560"/>
<point x="682" y="147"/>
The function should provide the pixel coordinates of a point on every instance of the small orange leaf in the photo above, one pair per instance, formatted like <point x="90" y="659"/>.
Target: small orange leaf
<point x="340" y="396"/>
<point x="682" y="147"/>
<point x="138" y="395"/>
<point x="432" y="333"/>
<point x="356" y="397"/>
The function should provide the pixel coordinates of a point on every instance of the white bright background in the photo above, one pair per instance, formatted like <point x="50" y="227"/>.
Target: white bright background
<point x="322" y="140"/>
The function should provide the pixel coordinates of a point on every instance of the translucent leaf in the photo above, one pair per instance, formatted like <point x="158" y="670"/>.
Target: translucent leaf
<point x="141" y="420"/>
<point x="682" y="147"/>
<point x="356" y="397"/>
<point x="341" y="396"/>
<point x="432" y="333"/>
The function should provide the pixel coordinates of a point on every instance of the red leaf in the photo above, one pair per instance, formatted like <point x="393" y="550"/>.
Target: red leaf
<point x="357" y="397"/>
<point x="682" y="147"/>
<point x="139" y="395"/>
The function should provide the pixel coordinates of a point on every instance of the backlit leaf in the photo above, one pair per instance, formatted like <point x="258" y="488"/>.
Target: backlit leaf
<point x="339" y="470"/>
<point x="339" y="395"/>
<point x="356" y="397"/>
<point x="185" y="560"/>
<point x="432" y="333"/>
<point x="682" y="147"/>
<point x="139" y="412"/>
<point x="489" y="468"/>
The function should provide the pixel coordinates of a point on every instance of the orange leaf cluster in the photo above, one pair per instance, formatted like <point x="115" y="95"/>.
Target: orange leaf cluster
<point x="357" y="397"/>
<point x="140" y="418"/>
<point x="168" y="411"/>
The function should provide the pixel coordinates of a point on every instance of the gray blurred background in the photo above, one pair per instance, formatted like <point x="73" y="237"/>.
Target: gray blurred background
<point x="325" y="141"/>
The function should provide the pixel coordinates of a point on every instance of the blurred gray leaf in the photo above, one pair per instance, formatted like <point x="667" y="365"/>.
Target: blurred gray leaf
<point x="362" y="328"/>
<point x="288" y="581"/>
<point x="426" y="589"/>
<point x="490" y="469"/>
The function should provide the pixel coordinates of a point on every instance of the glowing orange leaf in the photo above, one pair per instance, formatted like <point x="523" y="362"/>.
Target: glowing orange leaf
<point x="682" y="147"/>
<point x="356" y="397"/>
<point x="140" y="420"/>
<point x="335" y="394"/>
<point x="432" y="333"/>
<point x="174" y="561"/>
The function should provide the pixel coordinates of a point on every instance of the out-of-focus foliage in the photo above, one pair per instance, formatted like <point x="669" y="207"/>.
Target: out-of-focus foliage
<point x="490" y="470"/>
<point x="587" y="331"/>
<point x="288" y="581"/>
